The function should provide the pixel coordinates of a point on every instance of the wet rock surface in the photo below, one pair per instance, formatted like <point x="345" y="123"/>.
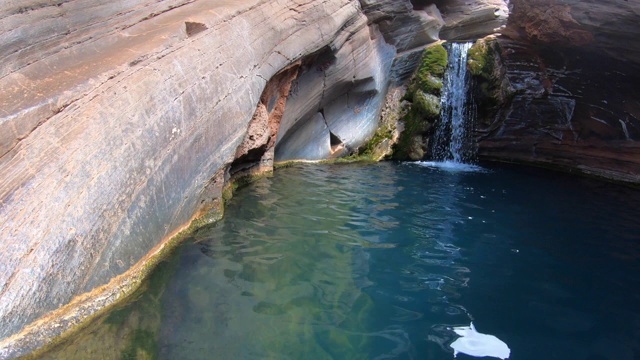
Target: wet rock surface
<point x="567" y="110"/>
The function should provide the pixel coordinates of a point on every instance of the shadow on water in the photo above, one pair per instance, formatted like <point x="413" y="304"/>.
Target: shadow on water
<point x="381" y="261"/>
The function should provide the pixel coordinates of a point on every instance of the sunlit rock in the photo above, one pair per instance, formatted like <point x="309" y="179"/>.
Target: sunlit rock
<point x="468" y="20"/>
<point x="344" y="90"/>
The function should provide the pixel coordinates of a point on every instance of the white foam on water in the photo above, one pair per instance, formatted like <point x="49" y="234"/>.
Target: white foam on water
<point x="451" y="166"/>
<point x="476" y="344"/>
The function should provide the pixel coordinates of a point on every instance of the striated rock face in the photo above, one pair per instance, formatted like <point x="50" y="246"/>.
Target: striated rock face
<point x="558" y="116"/>
<point x="116" y="139"/>
<point x="604" y="26"/>
<point x="403" y="25"/>
<point x="337" y="98"/>
<point x="570" y="69"/>
<point x="468" y="20"/>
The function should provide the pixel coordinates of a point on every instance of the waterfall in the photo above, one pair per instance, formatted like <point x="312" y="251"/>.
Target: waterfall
<point x="451" y="141"/>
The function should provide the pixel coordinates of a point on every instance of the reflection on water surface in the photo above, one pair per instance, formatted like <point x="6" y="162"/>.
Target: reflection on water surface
<point x="381" y="261"/>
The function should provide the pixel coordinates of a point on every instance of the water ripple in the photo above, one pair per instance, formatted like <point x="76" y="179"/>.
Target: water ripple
<point x="381" y="261"/>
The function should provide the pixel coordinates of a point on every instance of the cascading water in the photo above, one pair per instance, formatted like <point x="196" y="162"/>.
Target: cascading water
<point x="451" y="141"/>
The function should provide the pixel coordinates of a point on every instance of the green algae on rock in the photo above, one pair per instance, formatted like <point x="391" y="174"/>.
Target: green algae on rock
<point x="428" y="76"/>
<point x="491" y="88"/>
<point x="428" y="105"/>
<point x="485" y="67"/>
<point x="423" y="93"/>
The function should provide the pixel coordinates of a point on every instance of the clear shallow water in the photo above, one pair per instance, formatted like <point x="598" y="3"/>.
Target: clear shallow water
<point x="380" y="261"/>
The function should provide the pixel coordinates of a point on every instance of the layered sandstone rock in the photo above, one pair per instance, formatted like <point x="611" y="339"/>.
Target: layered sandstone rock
<point x="118" y="138"/>
<point x="603" y="26"/>
<point x="571" y="69"/>
<point x="337" y="99"/>
<point x="469" y="20"/>
<point x="404" y="26"/>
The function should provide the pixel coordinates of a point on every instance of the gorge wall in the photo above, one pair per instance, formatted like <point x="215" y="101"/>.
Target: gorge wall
<point x="120" y="123"/>
<point x="571" y="70"/>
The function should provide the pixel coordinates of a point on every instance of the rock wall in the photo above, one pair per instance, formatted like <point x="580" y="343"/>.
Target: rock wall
<point x="608" y="26"/>
<point x="337" y="99"/>
<point x="123" y="144"/>
<point x="571" y="69"/>
<point x="122" y="122"/>
<point x="469" y="20"/>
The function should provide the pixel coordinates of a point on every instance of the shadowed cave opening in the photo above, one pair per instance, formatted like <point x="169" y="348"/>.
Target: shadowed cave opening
<point x="336" y="143"/>
<point x="247" y="161"/>
<point x="334" y="140"/>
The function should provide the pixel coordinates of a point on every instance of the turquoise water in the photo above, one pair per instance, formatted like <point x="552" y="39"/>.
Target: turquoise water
<point x="381" y="261"/>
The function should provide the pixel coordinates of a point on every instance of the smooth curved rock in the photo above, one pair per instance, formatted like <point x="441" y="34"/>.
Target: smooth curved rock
<point x="123" y="149"/>
<point x="344" y="90"/>
<point x="403" y="25"/>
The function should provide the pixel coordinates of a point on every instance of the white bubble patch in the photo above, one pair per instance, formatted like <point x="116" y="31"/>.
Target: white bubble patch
<point x="476" y="344"/>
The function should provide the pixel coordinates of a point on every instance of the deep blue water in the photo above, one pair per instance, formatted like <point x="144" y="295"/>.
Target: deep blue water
<point x="380" y="261"/>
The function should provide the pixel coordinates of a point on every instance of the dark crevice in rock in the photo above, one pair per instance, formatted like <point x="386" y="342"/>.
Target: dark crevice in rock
<point x="323" y="60"/>
<point x="193" y="28"/>
<point x="272" y="103"/>
<point x="162" y="11"/>
<point x="334" y="140"/>
<point x="248" y="160"/>
<point x="338" y="147"/>
<point x="255" y="154"/>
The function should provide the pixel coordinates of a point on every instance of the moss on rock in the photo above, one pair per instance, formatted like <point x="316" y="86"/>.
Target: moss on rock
<point x="408" y="116"/>
<point x="431" y="70"/>
<point x="411" y="137"/>
<point x="491" y="87"/>
<point x="427" y="105"/>
<point x="434" y="61"/>
<point x="481" y="59"/>
<point x="382" y="134"/>
<point x="424" y="95"/>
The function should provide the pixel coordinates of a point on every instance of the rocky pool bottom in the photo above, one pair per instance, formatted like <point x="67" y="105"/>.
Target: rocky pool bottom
<point x="382" y="261"/>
